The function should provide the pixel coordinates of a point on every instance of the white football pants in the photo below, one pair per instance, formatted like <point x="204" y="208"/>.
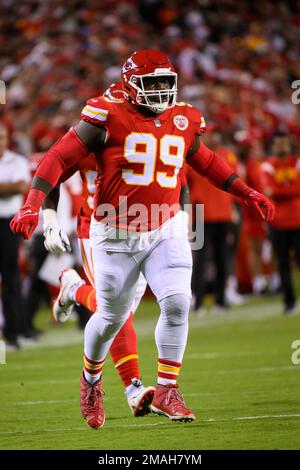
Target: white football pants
<point x="164" y="257"/>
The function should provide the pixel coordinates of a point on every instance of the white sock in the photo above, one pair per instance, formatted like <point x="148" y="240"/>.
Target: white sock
<point x="91" y="379"/>
<point x="99" y="334"/>
<point x="73" y="289"/>
<point x="172" y="327"/>
<point x="171" y="336"/>
<point x="134" y="388"/>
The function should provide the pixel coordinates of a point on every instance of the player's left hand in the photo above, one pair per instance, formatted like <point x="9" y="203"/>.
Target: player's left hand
<point x="263" y="207"/>
<point x="25" y="221"/>
<point x="56" y="240"/>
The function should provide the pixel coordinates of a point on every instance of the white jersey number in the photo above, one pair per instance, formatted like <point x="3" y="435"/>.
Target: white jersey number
<point x="91" y="177"/>
<point x="142" y="148"/>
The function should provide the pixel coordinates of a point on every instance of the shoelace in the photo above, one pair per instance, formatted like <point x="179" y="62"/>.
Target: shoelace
<point x="136" y="382"/>
<point x="175" y="399"/>
<point x="92" y="397"/>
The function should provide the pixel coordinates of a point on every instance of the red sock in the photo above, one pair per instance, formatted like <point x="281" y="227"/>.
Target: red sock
<point x="86" y="296"/>
<point x="124" y="353"/>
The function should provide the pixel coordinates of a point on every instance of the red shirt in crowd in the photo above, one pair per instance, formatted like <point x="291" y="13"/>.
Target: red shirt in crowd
<point x="283" y="185"/>
<point x="254" y="177"/>
<point x="217" y="203"/>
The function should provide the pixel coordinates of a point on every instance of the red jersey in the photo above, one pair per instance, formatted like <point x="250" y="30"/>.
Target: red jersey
<point x="88" y="173"/>
<point x="141" y="161"/>
<point x="283" y="179"/>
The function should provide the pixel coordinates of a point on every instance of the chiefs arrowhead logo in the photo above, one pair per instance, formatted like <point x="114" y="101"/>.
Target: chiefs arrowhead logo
<point x="129" y="65"/>
<point x="181" y="122"/>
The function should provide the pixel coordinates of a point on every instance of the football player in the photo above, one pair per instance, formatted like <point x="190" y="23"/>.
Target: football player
<point x="74" y="290"/>
<point x="140" y="146"/>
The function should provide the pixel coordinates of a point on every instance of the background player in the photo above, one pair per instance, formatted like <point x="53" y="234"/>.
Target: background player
<point x="74" y="290"/>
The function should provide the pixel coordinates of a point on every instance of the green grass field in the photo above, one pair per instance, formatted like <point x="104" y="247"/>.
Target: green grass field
<point x="237" y="377"/>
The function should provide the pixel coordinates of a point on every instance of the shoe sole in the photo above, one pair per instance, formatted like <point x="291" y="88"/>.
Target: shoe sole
<point x="93" y="427"/>
<point x="176" y="419"/>
<point x="62" y="314"/>
<point x="144" y="405"/>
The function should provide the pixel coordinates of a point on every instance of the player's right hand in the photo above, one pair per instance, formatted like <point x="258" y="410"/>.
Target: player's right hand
<point x="263" y="207"/>
<point x="56" y="241"/>
<point x="25" y="221"/>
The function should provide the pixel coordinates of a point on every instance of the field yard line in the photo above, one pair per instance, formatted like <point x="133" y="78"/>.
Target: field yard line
<point x="246" y="370"/>
<point x="52" y="339"/>
<point x="203" y="356"/>
<point x="244" y="314"/>
<point x="42" y="402"/>
<point x="215" y="372"/>
<point x="149" y="425"/>
<point x="111" y="398"/>
<point x="192" y="356"/>
<point x="69" y="337"/>
<point x="244" y="418"/>
<point x="216" y="355"/>
<point x="46" y="381"/>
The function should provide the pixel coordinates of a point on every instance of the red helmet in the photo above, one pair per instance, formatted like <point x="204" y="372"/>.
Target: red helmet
<point x="150" y="80"/>
<point x="115" y="92"/>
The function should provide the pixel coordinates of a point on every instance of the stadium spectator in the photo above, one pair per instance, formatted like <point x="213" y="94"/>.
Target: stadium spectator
<point x="251" y="157"/>
<point x="236" y="60"/>
<point x="14" y="180"/>
<point x="282" y="171"/>
<point x="218" y="214"/>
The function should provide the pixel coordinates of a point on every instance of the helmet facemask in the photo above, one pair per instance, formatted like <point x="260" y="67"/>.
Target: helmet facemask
<point x="156" y="99"/>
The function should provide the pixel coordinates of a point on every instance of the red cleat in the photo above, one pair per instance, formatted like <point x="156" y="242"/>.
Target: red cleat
<point x="91" y="403"/>
<point x="169" y="402"/>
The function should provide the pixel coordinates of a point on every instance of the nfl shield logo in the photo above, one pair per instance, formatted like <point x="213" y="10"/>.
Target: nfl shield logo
<point x="181" y="122"/>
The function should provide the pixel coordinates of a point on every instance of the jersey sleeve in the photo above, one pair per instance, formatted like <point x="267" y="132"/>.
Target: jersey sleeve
<point x="182" y="177"/>
<point x="68" y="173"/>
<point x="197" y="120"/>
<point x="96" y="111"/>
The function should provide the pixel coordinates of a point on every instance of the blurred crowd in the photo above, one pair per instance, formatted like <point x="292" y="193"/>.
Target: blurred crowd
<point x="236" y="62"/>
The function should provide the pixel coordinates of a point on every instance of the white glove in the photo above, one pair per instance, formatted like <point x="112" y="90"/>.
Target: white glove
<point x="56" y="241"/>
